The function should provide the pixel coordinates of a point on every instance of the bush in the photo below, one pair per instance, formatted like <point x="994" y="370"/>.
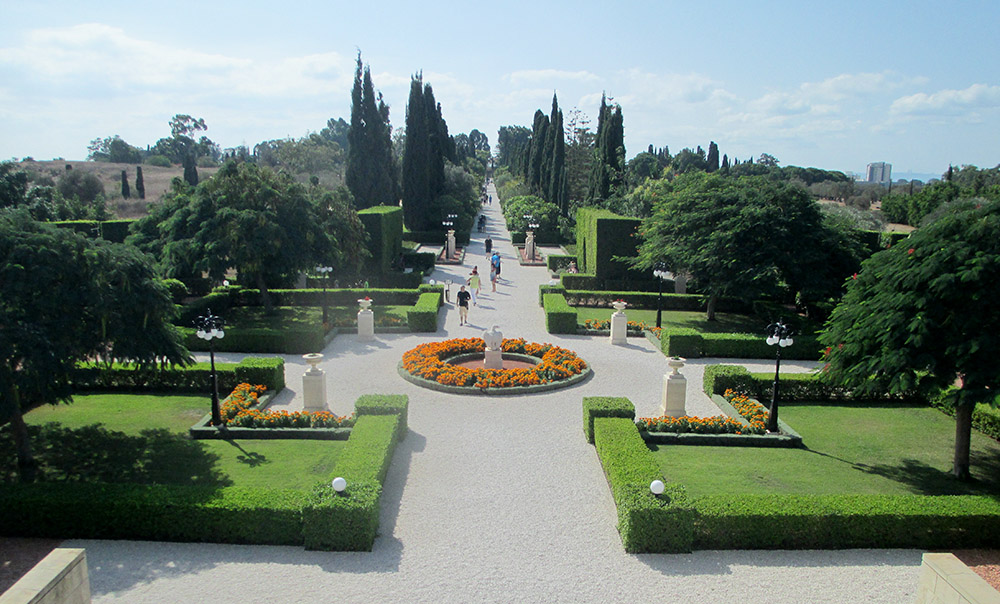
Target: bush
<point x="158" y="160"/>
<point x="558" y="262"/>
<point x="419" y="261"/>
<point x="333" y="297"/>
<point x="269" y="372"/>
<point x="646" y="522"/>
<point x="549" y="289"/>
<point x="178" y="291"/>
<point x="384" y="404"/>
<point x="689" y="343"/>
<point x="424" y="314"/>
<point x="260" y="339"/>
<point x="384" y="225"/>
<point x="794" y="386"/>
<point x="604" y="406"/>
<point x="719" y="378"/>
<point x="559" y="316"/>
<point x="601" y="238"/>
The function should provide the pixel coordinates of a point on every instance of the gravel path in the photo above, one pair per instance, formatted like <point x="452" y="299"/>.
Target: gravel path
<point x="495" y="499"/>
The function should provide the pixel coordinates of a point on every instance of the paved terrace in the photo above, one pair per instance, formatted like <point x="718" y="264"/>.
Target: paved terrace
<point x="495" y="499"/>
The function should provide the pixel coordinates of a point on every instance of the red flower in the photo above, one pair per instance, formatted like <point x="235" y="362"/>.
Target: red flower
<point x="909" y="251"/>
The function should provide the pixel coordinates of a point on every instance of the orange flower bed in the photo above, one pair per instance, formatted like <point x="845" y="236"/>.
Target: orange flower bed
<point x="429" y="361"/>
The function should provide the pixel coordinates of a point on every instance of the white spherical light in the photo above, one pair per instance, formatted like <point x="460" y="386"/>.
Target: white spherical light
<point x="339" y="484"/>
<point x="656" y="487"/>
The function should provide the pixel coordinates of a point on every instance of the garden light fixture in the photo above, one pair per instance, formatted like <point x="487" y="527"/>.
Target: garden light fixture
<point x="656" y="487"/>
<point x="661" y="273"/>
<point x="780" y="334"/>
<point x="210" y="329"/>
<point x="339" y="484"/>
<point x="325" y="271"/>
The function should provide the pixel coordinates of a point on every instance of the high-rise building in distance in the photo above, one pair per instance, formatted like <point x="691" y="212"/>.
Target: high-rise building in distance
<point x="879" y="172"/>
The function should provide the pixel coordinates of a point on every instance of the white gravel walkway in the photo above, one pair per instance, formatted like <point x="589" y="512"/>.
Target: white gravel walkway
<point x="495" y="499"/>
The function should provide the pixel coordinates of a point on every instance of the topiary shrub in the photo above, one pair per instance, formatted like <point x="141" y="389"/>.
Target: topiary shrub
<point x="560" y="317"/>
<point x="424" y="314"/>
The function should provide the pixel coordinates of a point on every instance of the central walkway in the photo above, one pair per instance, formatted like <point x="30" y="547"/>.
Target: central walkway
<point x="495" y="499"/>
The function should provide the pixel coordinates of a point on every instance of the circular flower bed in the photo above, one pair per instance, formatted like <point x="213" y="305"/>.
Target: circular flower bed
<point x="427" y="365"/>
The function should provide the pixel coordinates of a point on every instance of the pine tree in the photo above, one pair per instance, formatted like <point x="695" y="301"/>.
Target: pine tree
<point x="712" y="163"/>
<point x="126" y="192"/>
<point x="140" y="187"/>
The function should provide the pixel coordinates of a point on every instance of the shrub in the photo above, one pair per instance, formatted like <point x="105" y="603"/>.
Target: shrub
<point x="178" y="291"/>
<point x="384" y="404"/>
<point x="346" y="521"/>
<point x="549" y="289"/>
<point x="260" y="339"/>
<point x="158" y="160"/>
<point x="194" y="378"/>
<point x="384" y="225"/>
<point x="424" y="314"/>
<point x="558" y="262"/>
<point x="604" y="406"/>
<point x="602" y="238"/>
<point x="718" y="379"/>
<point x="269" y="371"/>
<point x="560" y="317"/>
<point x="680" y="342"/>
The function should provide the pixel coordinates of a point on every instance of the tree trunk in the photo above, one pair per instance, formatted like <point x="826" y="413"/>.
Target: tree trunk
<point x="27" y="467"/>
<point x="963" y="438"/>
<point x="265" y="299"/>
<point x="713" y="299"/>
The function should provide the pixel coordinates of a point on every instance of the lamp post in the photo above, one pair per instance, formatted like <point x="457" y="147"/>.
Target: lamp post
<point x="449" y="236"/>
<point x="780" y="334"/>
<point x="660" y="272"/>
<point x="529" y="237"/>
<point x="210" y="328"/>
<point x="325" y="271"/>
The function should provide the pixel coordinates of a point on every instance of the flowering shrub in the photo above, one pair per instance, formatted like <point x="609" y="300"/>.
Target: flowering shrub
<point x="605" y="325"/>
<point x="239" y="411"/>
<point x="429" y="361"/>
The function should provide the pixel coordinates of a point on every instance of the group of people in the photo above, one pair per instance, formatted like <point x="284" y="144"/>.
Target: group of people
<point x="474" y="284"/>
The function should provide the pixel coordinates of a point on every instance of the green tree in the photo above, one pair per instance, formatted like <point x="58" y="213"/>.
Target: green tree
<point x="607" y="177"/>
<point x="536" y="153"/>
<point x="579" y="156"/>
<point x="80" y="185"/>
<point x="371" y="170"/>
<point x="190" y="170"/>
<point x="734" y="236"/>
<point x="556" y="186"/>
<point x="140" y="186"/>
<point x="923" y="315"/>
<point x="126" y="191"/>
<point x="712" y="162"/>
<point x="426" y="149"/>
<point x="120" y="312"/>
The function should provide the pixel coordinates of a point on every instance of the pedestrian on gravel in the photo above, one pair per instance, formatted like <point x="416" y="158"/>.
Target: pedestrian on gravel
<point x="463" y="305"/>
<point x="489" y="245"/>
<point x="493" y="277"/>
<point x="474" y="284"/>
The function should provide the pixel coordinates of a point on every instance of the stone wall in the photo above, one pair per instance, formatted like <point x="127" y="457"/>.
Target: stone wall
<point x="60" y="578"/>
<point x="945" y="579"/>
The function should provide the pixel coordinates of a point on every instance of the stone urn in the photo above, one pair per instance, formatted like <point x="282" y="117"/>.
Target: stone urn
<point x="365" y="303"/>
<point x="313" y="359"/>
<point x="619" y="305"/>
<point x="676" y="363"/>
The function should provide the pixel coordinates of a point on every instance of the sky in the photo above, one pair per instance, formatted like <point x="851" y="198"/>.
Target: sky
<point x="834" y="85"/>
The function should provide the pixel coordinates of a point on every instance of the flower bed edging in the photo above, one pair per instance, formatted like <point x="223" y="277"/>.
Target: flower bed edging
<point x="788" y="438"/>
<point x="432" y="385"/>
<point x="203" y="430"/>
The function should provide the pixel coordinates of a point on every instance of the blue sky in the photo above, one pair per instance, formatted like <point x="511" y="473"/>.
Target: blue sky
<point x="828" y="84"/>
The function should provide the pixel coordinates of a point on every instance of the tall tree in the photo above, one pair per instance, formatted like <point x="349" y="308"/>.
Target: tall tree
<point x="190" y="171"/>
<point x="121" y="312"/>
<point x="712" y="163"/>
<point x="140" y="186"/>
<point x="513" y="143"/>
<point x="539" y="129"/>
<point x="579" y="155"/>
<point x="371" y="170"/>
<point x="923" y="316"/>
<point x="557" y="173"/>
<point x="417" y="193"/>
<point x="609" y="153"/>
<point x="126" y="191"/>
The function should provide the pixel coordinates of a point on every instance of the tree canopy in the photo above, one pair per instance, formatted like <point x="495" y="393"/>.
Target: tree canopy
<point x="64" y="299"/>
<point x="371" y="167"/>
<point x="924" y="314"/>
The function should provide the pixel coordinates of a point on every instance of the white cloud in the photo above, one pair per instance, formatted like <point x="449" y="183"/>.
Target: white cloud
<point x="547" y="75"/>
<point x="948" y="102"/>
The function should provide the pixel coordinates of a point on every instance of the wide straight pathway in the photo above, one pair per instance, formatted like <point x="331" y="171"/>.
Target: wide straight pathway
<point x="495" y="499"/>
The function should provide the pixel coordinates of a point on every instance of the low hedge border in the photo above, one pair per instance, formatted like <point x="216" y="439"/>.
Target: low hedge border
<point x="549" y="289"/>
<point x="794" y="386"/>
<point x="692" y="344"/>
<point x="560" y="317"/>
<point x="318" y="519"/>
<point x="604" y="406"/>
<point x="472" y="390"/>
<point x="648" y="524"/>
<point x="269" y="371"/>
<point x="424" y="314"/>
<point x="558" y="262"/>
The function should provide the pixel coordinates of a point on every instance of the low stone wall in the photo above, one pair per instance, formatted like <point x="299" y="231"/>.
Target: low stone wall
<point x="60" y="578"/>
<point x="945" y="579"/>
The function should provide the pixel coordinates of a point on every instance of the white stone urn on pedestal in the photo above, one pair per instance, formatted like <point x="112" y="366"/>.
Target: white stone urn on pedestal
<point x="494" y="353"/>
<point x="674" y="396"/>
<point x="314" y="384"/>
<point x="619" y="323"/>
<point x="366" y="320"/>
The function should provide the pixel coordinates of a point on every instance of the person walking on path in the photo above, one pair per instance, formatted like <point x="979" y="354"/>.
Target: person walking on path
<point x="463" y="305"/>
<point x="474" y="284"/>
<point x="489" y="246"/>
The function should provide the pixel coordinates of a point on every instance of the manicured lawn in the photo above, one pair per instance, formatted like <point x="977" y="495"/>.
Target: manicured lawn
<point x="305" y="316"/>
<point x="850" y="449"/>
<point x="724" y="322"/>
<point x="143" y="438"/>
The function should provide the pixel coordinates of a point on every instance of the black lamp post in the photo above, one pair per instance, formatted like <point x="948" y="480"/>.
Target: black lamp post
<point x="660" y="272"/>
<point x="210" y="328"/>
<point x="780" y="334"/>
<point x="325" y="271"/>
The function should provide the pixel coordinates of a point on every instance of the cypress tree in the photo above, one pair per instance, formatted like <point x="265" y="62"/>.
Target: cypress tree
<point x="126" y="192"/>
<point x="725" y="164"/>
<point x="712" y="163"/>
<point x="539" y="129"/>
<point x="190" y="171"/>
<point x="140" y="187"/>
<point x="371" y="172"/>
<point x="437" y="134"/>
<point x="558" y="178"/>
<point x="416" y="168"/>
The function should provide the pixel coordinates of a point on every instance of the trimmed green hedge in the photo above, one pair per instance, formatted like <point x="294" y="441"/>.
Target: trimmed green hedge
<point x="794" y="386"/>
<point x="604" y="406"/>
<point x="384" y="225"/>
<point x="602" y="236"/>
<point x="549" y="289"/>
<point x="646" y="522"/>
<point x="114" y="231"/>
<point x="437" y="237"/>
<point x="194" y="378"/>
<point x="845" y="521"/>
<point x="557" y="262"/>
<point x="333" y="297"/>
<point x="320" y="519"/>
<point x="560" y="317"/>
<point x="423" y="316"/>
<point x="689" y="343"/>
<point x="260" y="339"/>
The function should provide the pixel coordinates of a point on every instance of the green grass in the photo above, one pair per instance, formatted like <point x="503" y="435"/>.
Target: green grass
<point x="850" y="449"/>
<point x="304" y="316"/>
<point x="724" y="322"/>
<point x="143" y="439"/>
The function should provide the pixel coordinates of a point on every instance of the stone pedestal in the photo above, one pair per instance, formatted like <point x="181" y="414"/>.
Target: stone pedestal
<point x="314" y="384"/>
<point x="450" y="245"/>
<point x="680" y="284"/>
<point x="674" y="390"/>
<point x="529" y="246"/>
<point x="619" y="324"/>
<point x="494" y="348"/>
<point x="366" y="325"/>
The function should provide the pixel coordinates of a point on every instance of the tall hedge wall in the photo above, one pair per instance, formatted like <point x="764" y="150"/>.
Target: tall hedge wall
<point x="384" y="225"/>
<point x="600" y="236"/>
